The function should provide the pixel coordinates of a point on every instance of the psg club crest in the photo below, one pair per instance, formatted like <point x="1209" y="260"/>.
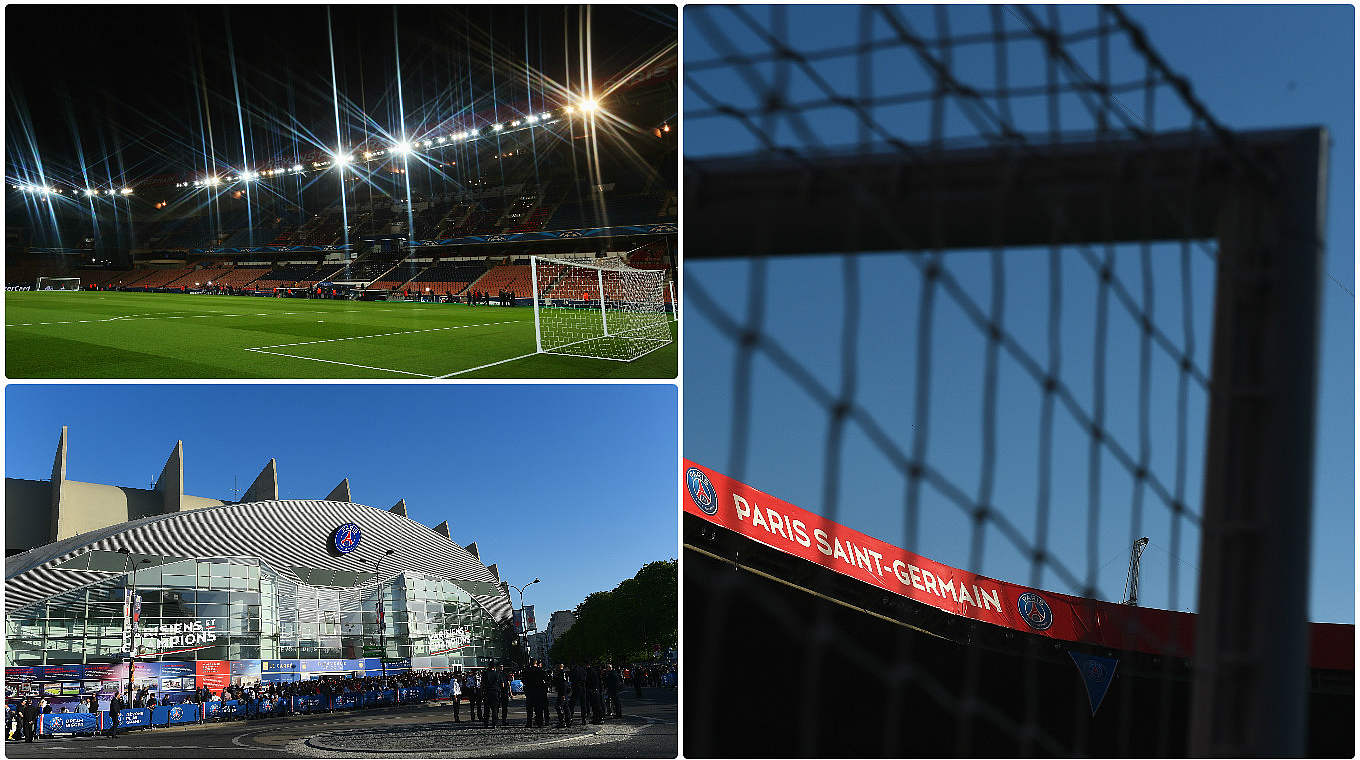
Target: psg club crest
<point x="1035" y="611"/>
<point x="346" y="538"/>
<point x="701" y="491"/>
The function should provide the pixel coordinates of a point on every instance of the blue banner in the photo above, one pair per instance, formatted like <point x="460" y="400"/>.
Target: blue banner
<point x="135" y="717"/>
<point x="171" y="714"/>
<point x="229" y="709"/>
<point x="1097" y="673"/>
<point x="372" y="665"/>
<point x="323" y="666"/>
<point x="306" y="704"/>
<point x="246" y="668"/>
<point x="345" y="701"/>
<point x="411" y="695"/>
<point x="61" y="672"/>
<point x="442" y="691"/>
<point x="68" y="723"/>
<point x="355" y="665"/>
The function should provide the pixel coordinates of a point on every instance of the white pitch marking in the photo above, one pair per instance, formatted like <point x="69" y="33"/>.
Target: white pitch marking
<point x="385" y="335"/>
<point x="347" y="364"/>
<point x="484" y="366"/>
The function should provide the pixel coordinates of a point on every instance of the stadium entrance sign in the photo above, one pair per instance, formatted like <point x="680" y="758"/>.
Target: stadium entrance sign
<point x="758" y="516"/>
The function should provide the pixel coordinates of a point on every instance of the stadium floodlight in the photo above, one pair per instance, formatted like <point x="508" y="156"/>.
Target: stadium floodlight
<point x="515" y="123"/>
<point x="340" y="159"/>
<point x="214" y="181"/>
<point x="297" y="167"/>
<point x="440" y="140"/>
<point x="531" y="119"/>
<point x="471" y="133"/>
<point x="544" y="116"/>
<point x="590" y="105"/>
<point x="402" y="148"/>
<point x="497" y="127"/>
<point x="89" y="191"/>
<point x="368" y="154"/>
<point x="569" y="109"/>
<point x="127" y="191"/>
<point x="247" y="176"/>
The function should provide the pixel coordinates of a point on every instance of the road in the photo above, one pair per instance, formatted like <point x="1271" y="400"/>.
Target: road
<point x="648" y="730"/>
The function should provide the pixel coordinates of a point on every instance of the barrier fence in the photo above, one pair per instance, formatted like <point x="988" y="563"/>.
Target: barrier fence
<point x="236" y="709"/>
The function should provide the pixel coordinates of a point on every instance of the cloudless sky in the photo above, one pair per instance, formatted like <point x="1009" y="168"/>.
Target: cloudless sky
<point x="1253" y="67"/>
<point x="574" y="484"/>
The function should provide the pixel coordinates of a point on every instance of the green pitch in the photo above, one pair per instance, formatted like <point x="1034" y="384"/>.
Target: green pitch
<point x="158" y="335"/>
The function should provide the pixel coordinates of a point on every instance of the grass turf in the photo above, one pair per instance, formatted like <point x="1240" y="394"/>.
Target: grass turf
<point x="161" y="335"/>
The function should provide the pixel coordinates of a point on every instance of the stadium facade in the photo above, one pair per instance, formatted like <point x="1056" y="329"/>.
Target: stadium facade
<point x="260" y="589"/>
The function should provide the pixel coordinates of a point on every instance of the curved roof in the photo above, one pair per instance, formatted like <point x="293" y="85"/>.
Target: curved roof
<point x="286" y="534"/>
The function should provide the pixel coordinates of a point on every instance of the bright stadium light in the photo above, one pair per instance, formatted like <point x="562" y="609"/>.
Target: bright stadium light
<point x="127" y="191"/>
<point x="544" y="117"/>
<point x="515" y="123"/>
<point x="213" y="181"/>
<point x="497" y="127"/>
<point x="401" y="148"/>
<point x="247" y="176"/>
<point x="368" y="154"/>
<point x="570" y="109"/>
<point x="89" y="191"/>
<point x="531" y="119"/>
<point x="440" y="140"/>
<point x="471" y="133"/>
<point x="297" y="167"/>
<point x="340" y="159"/>
<point x="590" y="105"/>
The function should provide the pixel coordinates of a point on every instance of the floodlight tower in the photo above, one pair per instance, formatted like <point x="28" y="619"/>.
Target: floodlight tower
<point x="1135" y="559"/>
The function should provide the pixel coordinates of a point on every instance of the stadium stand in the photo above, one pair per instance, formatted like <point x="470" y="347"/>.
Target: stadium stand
<point x="513" y="277"/>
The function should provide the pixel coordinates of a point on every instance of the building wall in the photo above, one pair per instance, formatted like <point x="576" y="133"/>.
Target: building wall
<point x="28" y="516"/>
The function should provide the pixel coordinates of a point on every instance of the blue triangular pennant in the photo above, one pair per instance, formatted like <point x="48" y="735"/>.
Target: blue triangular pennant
<point x="1097" y="673"/>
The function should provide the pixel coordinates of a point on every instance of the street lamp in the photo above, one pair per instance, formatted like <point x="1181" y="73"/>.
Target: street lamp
<point x="131" y="594"/>
<point x="382" y="629"/>
<point x="520" y="589"/>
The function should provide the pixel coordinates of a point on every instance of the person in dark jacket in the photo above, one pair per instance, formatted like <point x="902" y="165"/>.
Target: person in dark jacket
<point x="613" y="681"/>
<point x="115" y="705"/>
<point x="594" y="684"/>
<point x="561" y="683"/>
<point x="580" y="699"/>
<point x="535" y="695"/>
<point x="30" y="713"/>
<point x="491" y="696"/>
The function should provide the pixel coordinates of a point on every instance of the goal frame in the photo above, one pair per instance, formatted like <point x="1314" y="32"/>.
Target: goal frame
<point x="38" y="283"/>
<point x="1261" y="196"/>
<point x="604" y="313"/>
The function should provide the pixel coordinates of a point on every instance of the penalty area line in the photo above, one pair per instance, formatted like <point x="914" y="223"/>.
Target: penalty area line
<point x="347" y="364"/>
<point x="484" y="366"/>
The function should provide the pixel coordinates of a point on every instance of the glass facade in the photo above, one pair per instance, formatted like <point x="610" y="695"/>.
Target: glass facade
<point x="243" y="609"/>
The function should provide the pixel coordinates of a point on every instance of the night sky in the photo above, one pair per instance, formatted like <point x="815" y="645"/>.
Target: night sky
<point x="131" y="92"/>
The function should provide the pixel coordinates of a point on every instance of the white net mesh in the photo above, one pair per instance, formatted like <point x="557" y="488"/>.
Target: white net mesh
<point x="57" y="283"/>
<point x="604" y="310"/>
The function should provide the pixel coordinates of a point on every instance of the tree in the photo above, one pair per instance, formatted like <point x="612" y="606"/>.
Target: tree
<point x="634" y="622"/>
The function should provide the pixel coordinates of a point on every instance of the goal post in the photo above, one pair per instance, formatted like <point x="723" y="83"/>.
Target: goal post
<point x="606" y="310"/>
<point x="57" y="283"/>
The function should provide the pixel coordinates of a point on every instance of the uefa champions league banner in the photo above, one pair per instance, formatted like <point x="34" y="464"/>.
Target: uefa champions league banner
<point x="307" y="703"/>
<point x="171" y="714"/>
<point x="345" y="701"/>
<point x="722" y="501"/>
<point x="68" y="723"/>
<point x="411" y="695"/>
<point x="133" y="717"/>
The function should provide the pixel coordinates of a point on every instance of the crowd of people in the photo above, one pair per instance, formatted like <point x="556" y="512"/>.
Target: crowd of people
<point x="503" y="298"/>
<point x="583" y="693"/>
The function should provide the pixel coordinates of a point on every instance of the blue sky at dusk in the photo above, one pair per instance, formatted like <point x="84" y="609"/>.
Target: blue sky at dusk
<point x="574" y="484"/>
<point x="1253" y="67"/>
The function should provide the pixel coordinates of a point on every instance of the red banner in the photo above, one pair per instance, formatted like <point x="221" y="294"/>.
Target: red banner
<point x="214" y="674"/>
<point x="761" y="517"/>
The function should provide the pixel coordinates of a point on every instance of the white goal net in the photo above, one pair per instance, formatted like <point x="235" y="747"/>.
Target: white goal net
<point x="605" y="310"/>
<point x="57" y="283"/>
